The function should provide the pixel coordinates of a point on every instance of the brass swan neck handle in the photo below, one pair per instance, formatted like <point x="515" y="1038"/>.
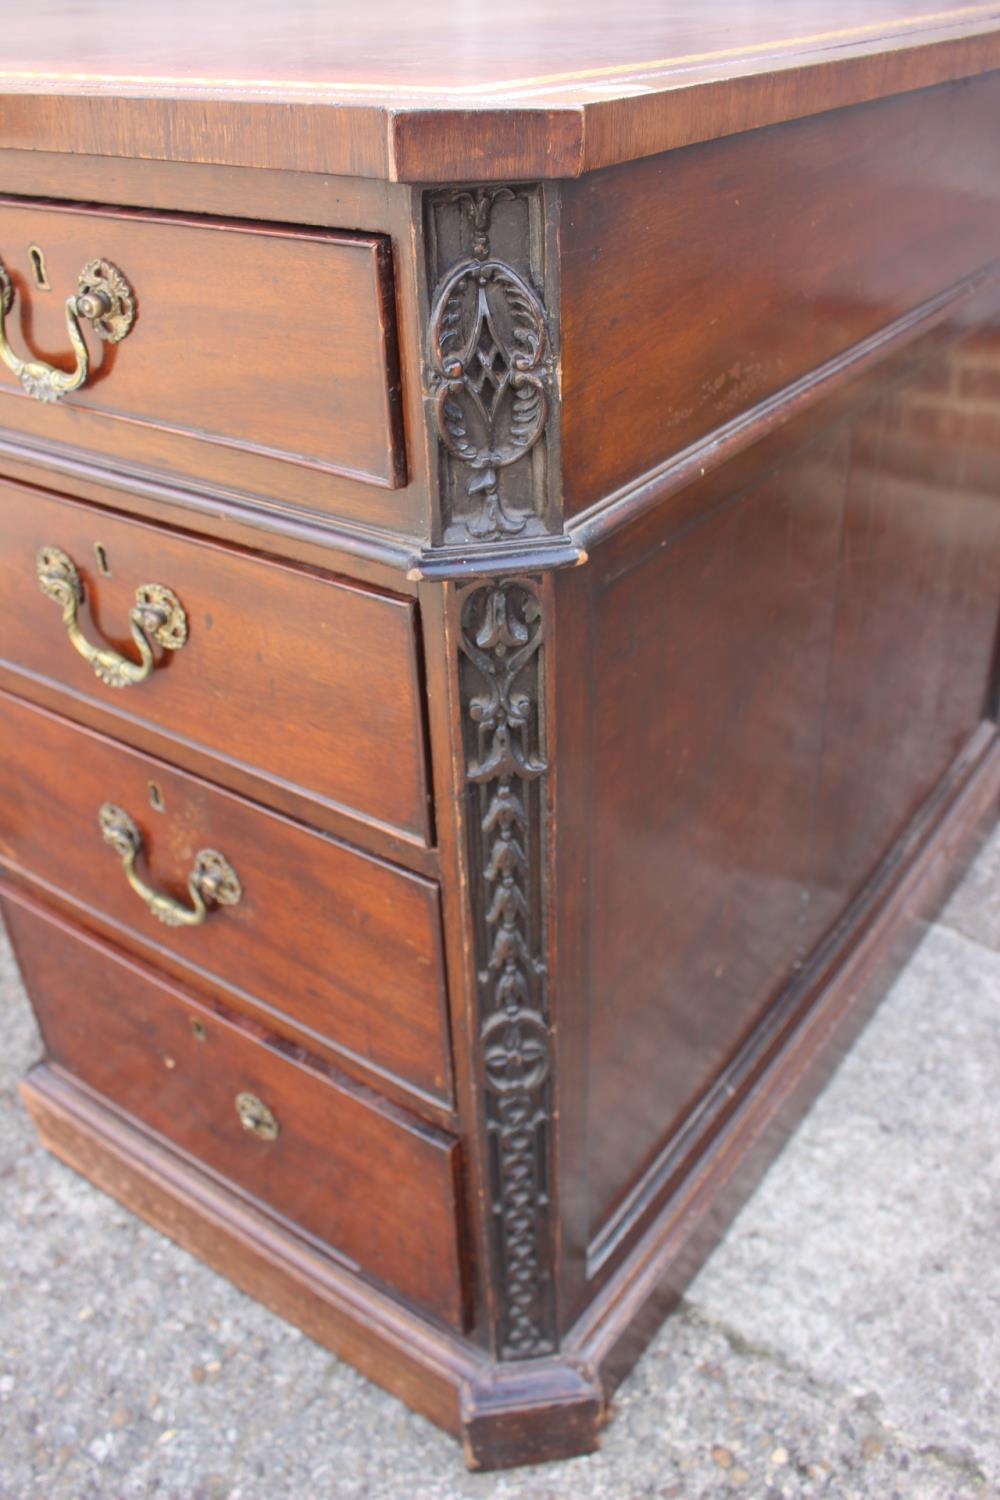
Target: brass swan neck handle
<point x="212" y="882"/>
<point x="157" y="616"/>
<point x="103" y="298"/>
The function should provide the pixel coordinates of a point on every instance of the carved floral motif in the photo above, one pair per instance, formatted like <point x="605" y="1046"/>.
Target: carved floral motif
<point x="502" y="639"/>
<point x="490" y="369"/>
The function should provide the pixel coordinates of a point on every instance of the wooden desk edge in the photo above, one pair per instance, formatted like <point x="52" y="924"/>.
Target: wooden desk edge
<point x="497" y="135"/>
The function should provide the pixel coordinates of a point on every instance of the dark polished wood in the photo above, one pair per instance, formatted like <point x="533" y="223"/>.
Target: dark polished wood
<point x="838" y="992"/>
<point x="370" y="1183"/>
<point x="260" y="637"/>
<point x="591" y="557"/>
<point x="379" y="1008"/>
<point x="807" y="237"/>
<point x="267" y="375"/>
<point x="844" y="609"/>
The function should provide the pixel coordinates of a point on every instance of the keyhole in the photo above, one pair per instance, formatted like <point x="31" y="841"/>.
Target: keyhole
<point x="102" y="560"/>
<point x="38" y="268"/>
<point x="155" y="797"/>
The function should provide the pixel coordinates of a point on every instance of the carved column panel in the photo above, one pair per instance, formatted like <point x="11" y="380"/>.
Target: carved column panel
<point x="503" y="629"/>
<point x="491" y="361"/>
<point x="491" y="390"/>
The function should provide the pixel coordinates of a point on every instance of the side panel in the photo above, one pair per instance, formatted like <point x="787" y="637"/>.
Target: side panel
<point x="699" y="283"/>
<point x="779" y="676"/>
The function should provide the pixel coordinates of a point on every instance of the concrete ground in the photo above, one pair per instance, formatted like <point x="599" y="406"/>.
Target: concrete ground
<point x="843" y="1341"/>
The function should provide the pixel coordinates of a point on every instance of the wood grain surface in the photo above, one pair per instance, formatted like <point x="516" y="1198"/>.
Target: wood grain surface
<point x="270" y="341"/>
<point x="443" y="94"/>
<point x="698" y="284"/>
<point x="842" y="606"/>
<point x="246" y="686"/>
<point x="370" y="1183"/>
<point x="336" y="949"/>
<point x="683" y="803"/>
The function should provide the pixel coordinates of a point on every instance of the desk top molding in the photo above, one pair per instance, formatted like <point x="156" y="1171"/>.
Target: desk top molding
<point x="431" y="96"/>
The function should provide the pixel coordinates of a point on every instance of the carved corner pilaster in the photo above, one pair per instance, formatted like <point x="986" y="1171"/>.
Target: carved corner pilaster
<point x="492" y="365"/>
<point x="492" y="402"/>
<point x="502" y="638"/>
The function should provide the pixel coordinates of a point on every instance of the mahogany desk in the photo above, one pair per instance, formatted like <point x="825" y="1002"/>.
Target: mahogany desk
<point x="499" y="582"/>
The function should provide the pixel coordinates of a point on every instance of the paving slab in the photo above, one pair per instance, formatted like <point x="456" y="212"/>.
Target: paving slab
<point x="868" y="1259"/>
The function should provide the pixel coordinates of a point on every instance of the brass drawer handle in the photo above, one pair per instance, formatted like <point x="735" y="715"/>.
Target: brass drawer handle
<point x="256" y="1118"/>
<point x="103" y="297"/>
<point x="157" y="616"/>
<point x="212" y="882"/>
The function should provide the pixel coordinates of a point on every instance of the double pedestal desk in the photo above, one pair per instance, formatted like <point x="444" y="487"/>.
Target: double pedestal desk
<point x="498" y="637"/>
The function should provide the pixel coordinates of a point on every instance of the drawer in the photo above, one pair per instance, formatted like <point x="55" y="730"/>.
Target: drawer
<point x="377" y="1187"/>
<point x="250" y="343"/>
<point x="328" y="942"/>
<point x="310" y="683"/>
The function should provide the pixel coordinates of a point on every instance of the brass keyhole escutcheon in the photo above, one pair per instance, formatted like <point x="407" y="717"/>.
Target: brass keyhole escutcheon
<point x="39" y="275"/>
<point x="256" y="1118"/>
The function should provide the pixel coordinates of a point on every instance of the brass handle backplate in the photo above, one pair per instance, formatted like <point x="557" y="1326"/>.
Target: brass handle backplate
<point x="103" y="298"/>
<point x="212" y="882"/>
<point x="156" y="616"/>
<point x="256" y="1118"/>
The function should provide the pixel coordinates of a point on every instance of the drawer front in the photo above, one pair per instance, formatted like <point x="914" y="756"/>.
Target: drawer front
<point x="252" y="341"/>
<point x="376" y="1187"/>
<point x="310" y="683"/>
<point x="339" y="946"/>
